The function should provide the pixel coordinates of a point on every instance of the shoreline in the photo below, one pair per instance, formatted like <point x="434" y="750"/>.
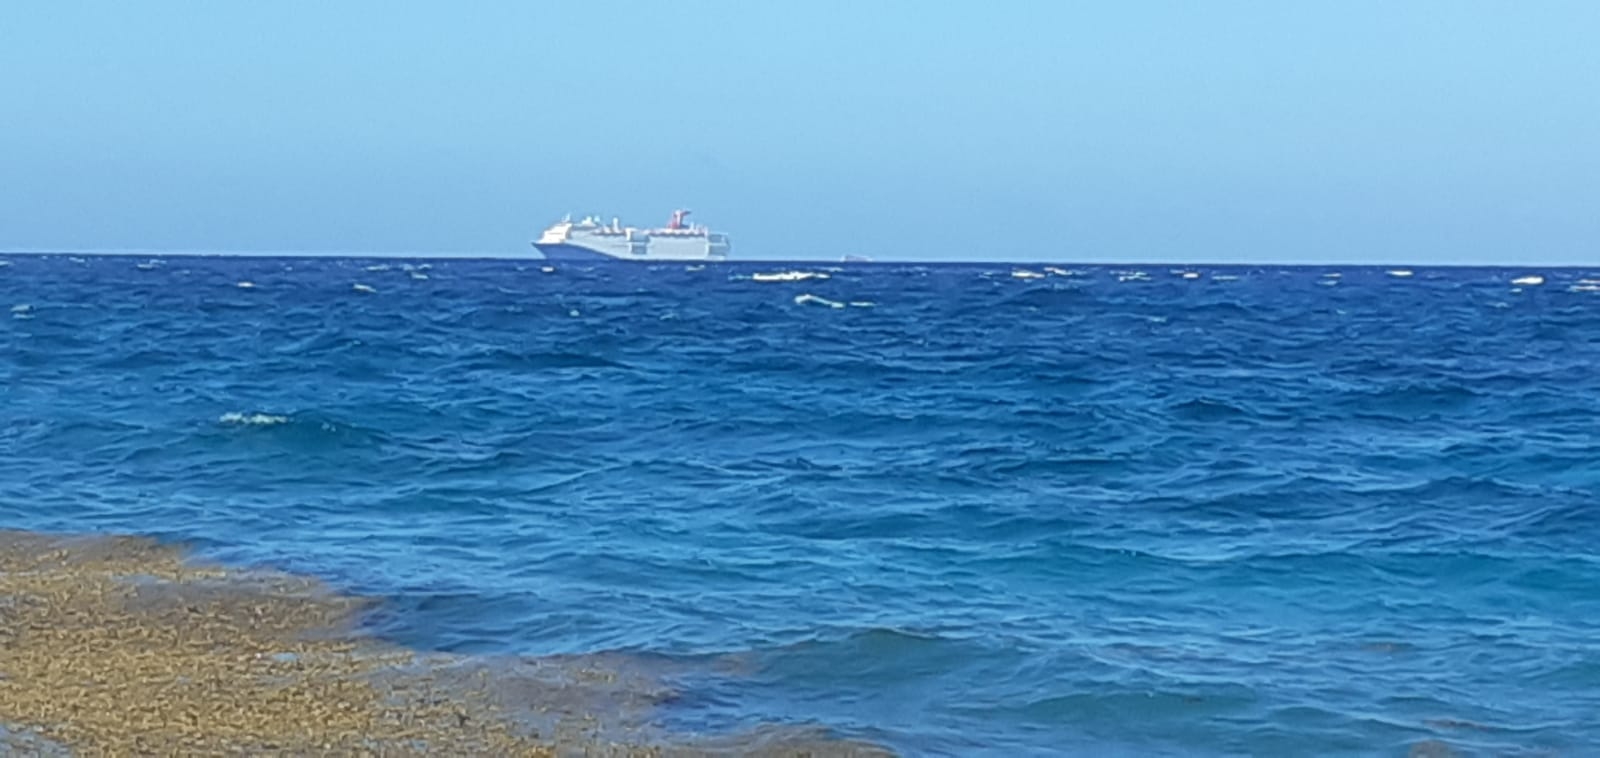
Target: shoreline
<point x="118" y="644"/>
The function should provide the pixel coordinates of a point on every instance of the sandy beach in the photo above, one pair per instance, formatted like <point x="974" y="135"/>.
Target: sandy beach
<point x="118" y="645"/>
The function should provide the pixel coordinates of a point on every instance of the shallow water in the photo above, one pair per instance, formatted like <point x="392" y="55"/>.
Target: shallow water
<point x="954" y="509"/>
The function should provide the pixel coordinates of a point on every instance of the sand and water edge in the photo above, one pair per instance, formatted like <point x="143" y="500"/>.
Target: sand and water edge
<point x="126" y="645"/>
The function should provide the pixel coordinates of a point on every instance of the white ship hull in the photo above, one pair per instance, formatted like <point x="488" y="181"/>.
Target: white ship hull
<point x="589" y="240"/>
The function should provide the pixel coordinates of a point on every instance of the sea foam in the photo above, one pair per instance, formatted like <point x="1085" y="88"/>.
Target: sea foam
<point x="252" y="419"/>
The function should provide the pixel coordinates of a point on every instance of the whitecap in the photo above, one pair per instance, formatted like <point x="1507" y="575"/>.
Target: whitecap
<point x="253" y="419"/>
<point x="547" y="269"/>
<point x="4" y="264"/>
<point x="1059" y="271"/>
<point x="363" y="288"/>
<point x="1191" y="275"/>
<point x="378" y="267"/>
<point x="245" y="285"/>
<point x="418" y="275"/>
<point x="863" y="304"/>
<point x="1026" y="274"/>
<point x="1528" y="281"/>
<point x="788" y="276"/>
<point x="1332" y="275"/>
<point x="148" y="265"/>
<point x="810" y="298"/>
<point x="1400" y="273"/>
<point x="1585" y="288"/>
<point x="21" y="308"/>
<point x="1224" y="278"/>
<point x="694" y="268"/>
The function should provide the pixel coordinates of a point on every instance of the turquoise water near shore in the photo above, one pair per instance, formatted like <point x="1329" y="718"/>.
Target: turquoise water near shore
<point x="975" y="509"/>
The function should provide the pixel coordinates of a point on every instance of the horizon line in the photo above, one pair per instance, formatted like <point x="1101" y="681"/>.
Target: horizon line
<point x="440" y="255"/>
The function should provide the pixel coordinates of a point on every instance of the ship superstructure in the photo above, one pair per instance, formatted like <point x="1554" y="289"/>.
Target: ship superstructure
<point x="590" y="239"/>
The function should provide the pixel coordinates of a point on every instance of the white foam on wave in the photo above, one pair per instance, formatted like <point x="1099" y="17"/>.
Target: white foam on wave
<point x="1400" y="273"/>
<point x="253" y="419"/>
<point x="378" y="267"/>
<point x="1191" y="275"/>
<point x="1023" y="273"/>
<point x="787" y="276"/>
<point x="548" y="269"/>
<point x="698" y="267"/>
<point x="802" y="299"/>
<point x="1528" y="281"/>
<point x="419" y="276"/>
<point x="1133" y="276"/>
<point x="1059" y="271"/>
<point x="4" y="264"/>
<point x="1584" y="288"/>
<point x="363" y="288"/>
<point x="863" y="304"/>
<point x="149" y="265"/>
<point x="246" y="285"/>
<point x="1333" y="275"/>
<point x="22" y="311"/>
<point x="1224" y="278"/>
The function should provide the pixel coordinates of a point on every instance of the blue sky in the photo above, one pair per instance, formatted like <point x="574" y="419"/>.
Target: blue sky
<point x="1417" y="132"/>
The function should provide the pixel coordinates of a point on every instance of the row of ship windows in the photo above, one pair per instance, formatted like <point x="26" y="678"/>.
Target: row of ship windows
<point x="709" y="237"/>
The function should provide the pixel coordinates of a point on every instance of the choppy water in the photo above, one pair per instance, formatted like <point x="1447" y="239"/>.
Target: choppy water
<point x="958" y="510"/>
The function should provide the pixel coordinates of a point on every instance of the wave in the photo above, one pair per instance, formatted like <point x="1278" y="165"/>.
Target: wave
<point x="301" y="431"/>
<point x="252" y="419"/>
<point x="1207" y="409"/>
<point x="501" y="358"/>
<point x="788" y="276"/>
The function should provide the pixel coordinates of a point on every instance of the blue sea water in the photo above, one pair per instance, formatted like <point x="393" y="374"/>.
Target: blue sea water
<point x="953" y="509"/>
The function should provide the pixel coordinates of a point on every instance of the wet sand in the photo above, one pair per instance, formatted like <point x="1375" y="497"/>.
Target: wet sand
<point x="123" y="646"/>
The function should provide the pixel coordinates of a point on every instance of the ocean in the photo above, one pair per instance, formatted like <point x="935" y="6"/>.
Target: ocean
<point x="949" y="509"/>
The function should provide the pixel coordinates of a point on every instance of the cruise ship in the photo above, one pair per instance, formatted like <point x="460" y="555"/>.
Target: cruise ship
<point x="590" y="239"/>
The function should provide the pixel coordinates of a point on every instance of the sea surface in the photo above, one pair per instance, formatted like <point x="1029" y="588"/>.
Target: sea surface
<point x="968" y="510"/>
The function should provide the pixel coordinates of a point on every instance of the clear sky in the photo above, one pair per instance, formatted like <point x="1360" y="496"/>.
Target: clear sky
<point x="1418" y="132"/>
